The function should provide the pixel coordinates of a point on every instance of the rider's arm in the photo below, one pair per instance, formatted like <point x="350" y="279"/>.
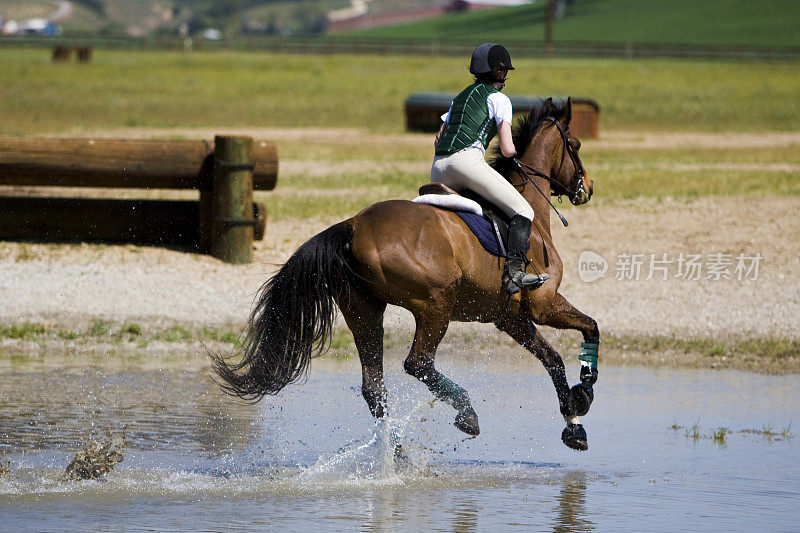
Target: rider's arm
<point x="505" y="140"/>
<point x="501" y="111"/>
<point x="440" y="134"/>
<point x="445" y="119"/>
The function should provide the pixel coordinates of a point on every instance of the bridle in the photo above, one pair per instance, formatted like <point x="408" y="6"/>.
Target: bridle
<point x="558" y="188"/>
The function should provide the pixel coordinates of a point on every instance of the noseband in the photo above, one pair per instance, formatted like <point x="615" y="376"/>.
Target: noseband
<point x="558" y="188"/>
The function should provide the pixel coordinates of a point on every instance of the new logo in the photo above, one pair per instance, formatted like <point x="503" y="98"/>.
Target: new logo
<point x="591" y="266"/>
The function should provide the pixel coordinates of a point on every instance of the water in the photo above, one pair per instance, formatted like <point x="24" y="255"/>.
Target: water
<point x="312" y="458"/>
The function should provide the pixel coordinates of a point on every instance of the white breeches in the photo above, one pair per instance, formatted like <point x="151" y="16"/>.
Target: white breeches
<point x="468" y="169"/>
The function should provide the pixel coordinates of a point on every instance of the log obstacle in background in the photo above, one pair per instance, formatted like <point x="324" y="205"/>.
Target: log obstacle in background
<point x="424" y="111"/>
<point x="224" y="222"/>
<point x="63" y="53"/>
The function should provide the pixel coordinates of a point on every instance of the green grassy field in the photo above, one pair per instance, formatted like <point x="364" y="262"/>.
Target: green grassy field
<point x="761" y="23"/>
<point x="620" y="173"/>
<point x="121" y="89"/>
<point x="140" y="91"/>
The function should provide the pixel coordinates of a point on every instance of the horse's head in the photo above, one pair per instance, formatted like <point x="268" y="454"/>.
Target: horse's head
<point x="567" y="175"/>
<point x="549" y="151"/>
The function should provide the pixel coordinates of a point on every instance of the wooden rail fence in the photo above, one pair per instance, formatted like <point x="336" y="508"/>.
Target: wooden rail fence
<point x="224" y="222"/>
<point x="341" y="44"/>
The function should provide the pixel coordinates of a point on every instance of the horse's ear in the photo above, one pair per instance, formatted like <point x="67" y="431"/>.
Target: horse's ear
<point x="566" y="114"/>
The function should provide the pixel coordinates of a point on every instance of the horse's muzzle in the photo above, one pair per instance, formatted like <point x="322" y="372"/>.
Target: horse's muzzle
<point x="585" y="190"/>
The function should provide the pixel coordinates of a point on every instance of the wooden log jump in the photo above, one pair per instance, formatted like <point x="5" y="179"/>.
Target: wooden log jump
<point x="224" y="222"/>
<point x="424" y="111"/>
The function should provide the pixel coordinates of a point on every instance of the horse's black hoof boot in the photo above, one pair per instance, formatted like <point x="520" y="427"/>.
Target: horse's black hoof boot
<point x="467" y="421"/>
<point x="574" y="436"/>
<point x="580" y="398"/>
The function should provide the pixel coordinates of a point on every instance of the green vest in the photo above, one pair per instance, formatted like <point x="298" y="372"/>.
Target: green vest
<point x="469" y="120"/>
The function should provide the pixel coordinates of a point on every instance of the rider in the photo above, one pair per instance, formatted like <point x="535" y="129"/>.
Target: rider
<point x="478" y="113"/>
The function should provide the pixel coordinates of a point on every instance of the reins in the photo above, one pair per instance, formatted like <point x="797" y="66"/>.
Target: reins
<point x="528" y="178"/>
<point x="558" y="187"/>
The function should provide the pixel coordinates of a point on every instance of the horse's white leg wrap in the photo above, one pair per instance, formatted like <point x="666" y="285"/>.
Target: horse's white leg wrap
<point x="573" y="419"/>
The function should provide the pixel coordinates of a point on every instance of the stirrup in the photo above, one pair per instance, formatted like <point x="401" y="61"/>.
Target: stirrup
<point x="513" y="283"/>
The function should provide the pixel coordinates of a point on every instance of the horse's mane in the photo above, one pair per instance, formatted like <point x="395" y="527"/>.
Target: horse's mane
<point x="522" y="133"/>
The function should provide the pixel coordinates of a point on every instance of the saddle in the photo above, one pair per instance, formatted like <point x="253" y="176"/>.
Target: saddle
<point x="491" y="228"/>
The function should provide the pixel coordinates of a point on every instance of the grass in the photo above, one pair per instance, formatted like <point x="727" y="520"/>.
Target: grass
<point x="132" y="328"/>
<point x="163" y="89"/>
<point x="226" y="90"/>
<point x="720" y="435"/>
<point x="25" y="254"/>
<point x="339" y="191"/>
<point x="22" y="331"/>
<point x="120" y="90"/>
<point x="174" y="334"/>
<point x="102" y="330"/>
<point x="227" y="336"/>
<point x="770" y="348"/>
<point x="762" y="23"/>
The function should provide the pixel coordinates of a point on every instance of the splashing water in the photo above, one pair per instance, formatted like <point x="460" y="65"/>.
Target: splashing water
<point x="384" y="457"/>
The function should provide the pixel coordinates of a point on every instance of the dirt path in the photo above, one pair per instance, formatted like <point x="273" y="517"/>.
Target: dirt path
<point x="69" y="284"/>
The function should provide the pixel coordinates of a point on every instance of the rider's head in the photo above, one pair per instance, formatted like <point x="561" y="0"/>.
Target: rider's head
<point x="490" y="63"/>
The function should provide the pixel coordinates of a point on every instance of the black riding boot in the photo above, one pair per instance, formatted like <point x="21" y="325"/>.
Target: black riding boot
<point x="514" y="275"/>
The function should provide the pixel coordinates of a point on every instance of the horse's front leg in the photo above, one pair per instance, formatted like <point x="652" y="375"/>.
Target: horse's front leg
<point x="524" y="331"/>
<point x="563" y="315"/>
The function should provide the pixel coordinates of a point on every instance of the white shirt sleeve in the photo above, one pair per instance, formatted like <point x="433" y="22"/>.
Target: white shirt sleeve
<point x="500" y="108"/>
<point x="446" y="116"/>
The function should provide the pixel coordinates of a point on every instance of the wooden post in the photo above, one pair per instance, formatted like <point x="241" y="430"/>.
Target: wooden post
<point x="550" y="15"/>
<point x="232" y="200"/>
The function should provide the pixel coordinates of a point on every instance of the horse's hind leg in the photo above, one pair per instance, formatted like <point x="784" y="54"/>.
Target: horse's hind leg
<point x="432" y="324"/>
<point x="524" y="331"/>
<point x="364" y="316"/>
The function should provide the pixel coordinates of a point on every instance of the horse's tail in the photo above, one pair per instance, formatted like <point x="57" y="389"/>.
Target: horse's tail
<point x="294" y="318"/>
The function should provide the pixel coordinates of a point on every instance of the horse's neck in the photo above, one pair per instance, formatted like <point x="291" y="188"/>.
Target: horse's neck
<point x="538" y="201"/>
<point x="544" y="152"/>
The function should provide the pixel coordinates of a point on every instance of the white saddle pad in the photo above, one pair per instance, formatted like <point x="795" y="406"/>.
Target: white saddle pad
<point x="452" y="202"/>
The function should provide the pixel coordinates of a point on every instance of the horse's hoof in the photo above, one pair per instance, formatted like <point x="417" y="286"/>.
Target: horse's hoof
<point x="401" y="460"/>
<point x="467" y="421"/>
<point x="580" y="398"/>
<point x="574" y="436"/>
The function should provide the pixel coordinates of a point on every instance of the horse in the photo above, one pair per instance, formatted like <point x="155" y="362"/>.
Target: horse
<point x="424" y="259"/>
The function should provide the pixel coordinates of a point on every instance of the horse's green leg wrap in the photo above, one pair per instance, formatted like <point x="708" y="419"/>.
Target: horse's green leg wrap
<point x="457" y="397"/>
<point x="588" y="355"/>
<point x="582" y="394"/>
<point x="449" y="392"/>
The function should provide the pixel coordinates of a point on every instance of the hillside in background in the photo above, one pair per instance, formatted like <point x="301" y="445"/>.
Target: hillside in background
<point x="232" y="17"/>
<point x="758" y="24"/>
<point x="762" y="23"/>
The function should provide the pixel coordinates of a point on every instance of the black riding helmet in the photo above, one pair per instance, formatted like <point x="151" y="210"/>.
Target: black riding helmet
<point x="488" y="57"/>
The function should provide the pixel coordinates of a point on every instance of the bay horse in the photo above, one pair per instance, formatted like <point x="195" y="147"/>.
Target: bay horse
<point x="426" y="260"/>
